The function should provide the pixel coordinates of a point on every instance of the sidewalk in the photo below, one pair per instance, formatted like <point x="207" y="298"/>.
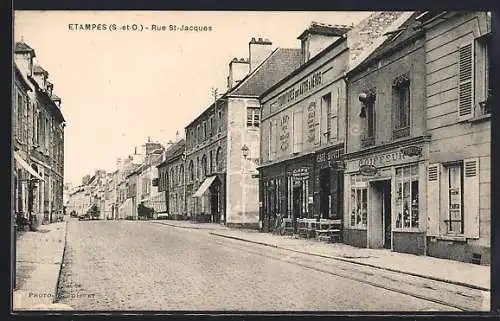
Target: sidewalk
<point x="470" y="275"/>
<point x="38" y="261"/>
<point x="191" y="225"/>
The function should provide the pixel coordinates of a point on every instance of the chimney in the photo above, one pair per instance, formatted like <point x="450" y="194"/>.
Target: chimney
<point x="258" y="51"/>
<point x="23" y="56"/>
<point x="318" y="36"/>
<point x="238" y="69"/>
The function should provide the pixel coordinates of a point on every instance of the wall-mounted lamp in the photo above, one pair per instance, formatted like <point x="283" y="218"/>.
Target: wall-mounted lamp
<point x="244" y="150"/>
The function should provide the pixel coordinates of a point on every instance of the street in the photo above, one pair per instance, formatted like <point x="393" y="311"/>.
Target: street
<point x="132" y="265"/>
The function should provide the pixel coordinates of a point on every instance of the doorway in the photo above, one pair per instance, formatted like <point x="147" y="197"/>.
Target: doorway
<point x="324" y="192"/>
<point x="215" y="202"/>
<point x="380" y="231"/>
<point x="297" y="198"/>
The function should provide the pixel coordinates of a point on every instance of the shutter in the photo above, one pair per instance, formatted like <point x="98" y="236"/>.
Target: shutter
<point x="466" y="82"/>
<point x="471" y="197"/>
<point x="433" y="199"/>
<point x="297" y="131"/>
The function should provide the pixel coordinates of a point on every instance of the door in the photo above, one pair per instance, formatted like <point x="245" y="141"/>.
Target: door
<point x="214" y="201"/>
<point x="297" y="204"/>
<point x="324" y="192"/>
<point x="379" y="215"/>
<point x="387" y="214"/>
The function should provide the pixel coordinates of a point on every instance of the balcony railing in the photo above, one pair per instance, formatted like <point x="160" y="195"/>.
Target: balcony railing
<point x="400" y="132"/>
<point x="367" y="141"/>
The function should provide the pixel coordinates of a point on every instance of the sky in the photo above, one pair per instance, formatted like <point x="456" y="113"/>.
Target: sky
<point x="120" y="87"/>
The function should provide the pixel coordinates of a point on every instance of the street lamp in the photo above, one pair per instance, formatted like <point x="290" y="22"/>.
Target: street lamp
<point x="244" y="150"/>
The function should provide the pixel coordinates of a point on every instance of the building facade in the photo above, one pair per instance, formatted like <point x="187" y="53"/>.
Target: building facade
<point x="303" y="132"/>
<point x="39" y="135"/>
<point x="222" y="144"/>
<point x="458" y="114"/>
<point x="172" y="180"/>
<point x="387" y="146"/>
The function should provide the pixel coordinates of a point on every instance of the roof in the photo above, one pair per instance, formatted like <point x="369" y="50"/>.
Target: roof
<point x="47" y="101"/>
<point x="23" y="47"/>
<point x="325" y="29"/>
<point x="280" y="63"/>
<point x="371" y="32"/>
<point x="395" y="40"/>
<point x="55" y="97"/>
<point x="37" y="69"/>
<point x="176" y="150"/>
<point x="19" y="75"/>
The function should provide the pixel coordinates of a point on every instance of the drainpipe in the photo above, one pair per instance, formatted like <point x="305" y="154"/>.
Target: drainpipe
<point x="346" y="105"/>
<point x="184" y="210"/>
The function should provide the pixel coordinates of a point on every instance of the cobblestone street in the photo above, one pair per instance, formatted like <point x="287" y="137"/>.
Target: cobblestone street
<point x="131" y="265"/>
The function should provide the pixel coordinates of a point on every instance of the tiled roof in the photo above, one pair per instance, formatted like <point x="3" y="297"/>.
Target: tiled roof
<point x="55" y="97"/>
<point x="279" y="64"/>
<point x="22" y="47"/>
<point x="325" y="29"/>
<point x="368" y="34"/>
<point x="37" y="69"/>
<point x="175" y="150"/>
<point x="21" y="77"/>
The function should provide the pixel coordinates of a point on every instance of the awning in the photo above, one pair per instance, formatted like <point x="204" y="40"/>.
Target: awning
<point x="204" y="186"/>
<point x="26" y="166"/>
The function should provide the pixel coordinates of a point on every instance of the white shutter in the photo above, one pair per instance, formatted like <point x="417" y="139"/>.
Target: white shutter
<point x="298" y="128"/>
<point x="433" y="199"/>
<point x="471" y="197"/>
<point x="466" y="81"/>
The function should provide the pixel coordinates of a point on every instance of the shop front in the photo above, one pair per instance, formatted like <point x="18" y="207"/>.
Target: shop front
<point x="286" y="190"/>
<point x="385" y="198"/>
<point x="329" y="181"/>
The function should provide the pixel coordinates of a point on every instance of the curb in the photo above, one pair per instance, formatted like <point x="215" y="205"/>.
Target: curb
<point x="186" y="227"/>
<point x="472" y="286"/>
<point x="56" y="292"/>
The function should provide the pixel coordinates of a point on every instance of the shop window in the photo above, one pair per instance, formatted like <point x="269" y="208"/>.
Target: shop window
<point x="454" y="185"/>
<point x="253" y="117"/>
<point x="406" y="199"/>
<point x="401" y="107"/>
<point x="359" y="207"/>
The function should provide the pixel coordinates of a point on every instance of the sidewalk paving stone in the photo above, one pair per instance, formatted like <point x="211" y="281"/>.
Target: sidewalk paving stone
<point x="476" y="276"/>
<point x="38" y="261"/>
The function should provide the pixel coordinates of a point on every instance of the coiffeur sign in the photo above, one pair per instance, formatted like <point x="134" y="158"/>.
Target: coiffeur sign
<point x="393" y="158"/>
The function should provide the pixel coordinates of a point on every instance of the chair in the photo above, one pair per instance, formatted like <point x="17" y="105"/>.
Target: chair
<point x="287" y="226"/>
<point x="329" y="230"/>
<point x="302" y="227"/>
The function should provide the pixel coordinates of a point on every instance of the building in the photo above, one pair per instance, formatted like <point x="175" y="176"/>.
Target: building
<point x="458" y="105"/>
<point x="303" y="132"/>
<point x="304" y="120"/>
<point x="149" y="194"/>
<point x="79" y="200"/>
<point x="222" y="144"/>
<point x="39" y="133"/>
<point x="387" y="145"/>
<point x="171" y="180"/>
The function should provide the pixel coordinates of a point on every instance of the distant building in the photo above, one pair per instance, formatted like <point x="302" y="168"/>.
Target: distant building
<point x="171" y="180"/>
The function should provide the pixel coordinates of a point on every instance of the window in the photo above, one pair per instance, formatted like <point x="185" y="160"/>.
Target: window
<point x="359" y="207"/>
<point x="210" y="163"/>
<point x="198" y="134"/>
<point x="218" y="160"/>
<point x="270" y="141"/>
<point x="406" y="198"/>
<point x="181" y="175"/>
<point x="47" y="134"/>
<point x="253" y="117"/>
<point x="485" y="85"/>
<point x="204" y="130"/>
<point x="198" y="168"/>
<point x="35" y="127"/>
<point x="20" y="113"/>
<point x="210" y="127"/>
<point x="204" y="166"/>
<point x="191" y="171"/>
<point x="368" y="112"/>
<point x="220" y="121"/>
<point x="401" y="107"/>
<point x="326" y="105"/>
<point x="454" y="185"/>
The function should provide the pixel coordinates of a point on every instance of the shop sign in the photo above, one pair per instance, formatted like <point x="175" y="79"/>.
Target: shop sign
<point x="304" y="87"/>
<point x="311" y="122"/>
<point x="383" y="160"/>
<point x="412" y="151"/>
<point x="330" y="155"/>
<point x="285" y="133"/>
<point x="300" y="172"/>
<point x="367" y="170"/>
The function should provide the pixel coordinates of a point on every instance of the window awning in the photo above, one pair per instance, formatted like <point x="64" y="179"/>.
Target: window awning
<point x="204" y="186"/>
<point x="26" y="166"/>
